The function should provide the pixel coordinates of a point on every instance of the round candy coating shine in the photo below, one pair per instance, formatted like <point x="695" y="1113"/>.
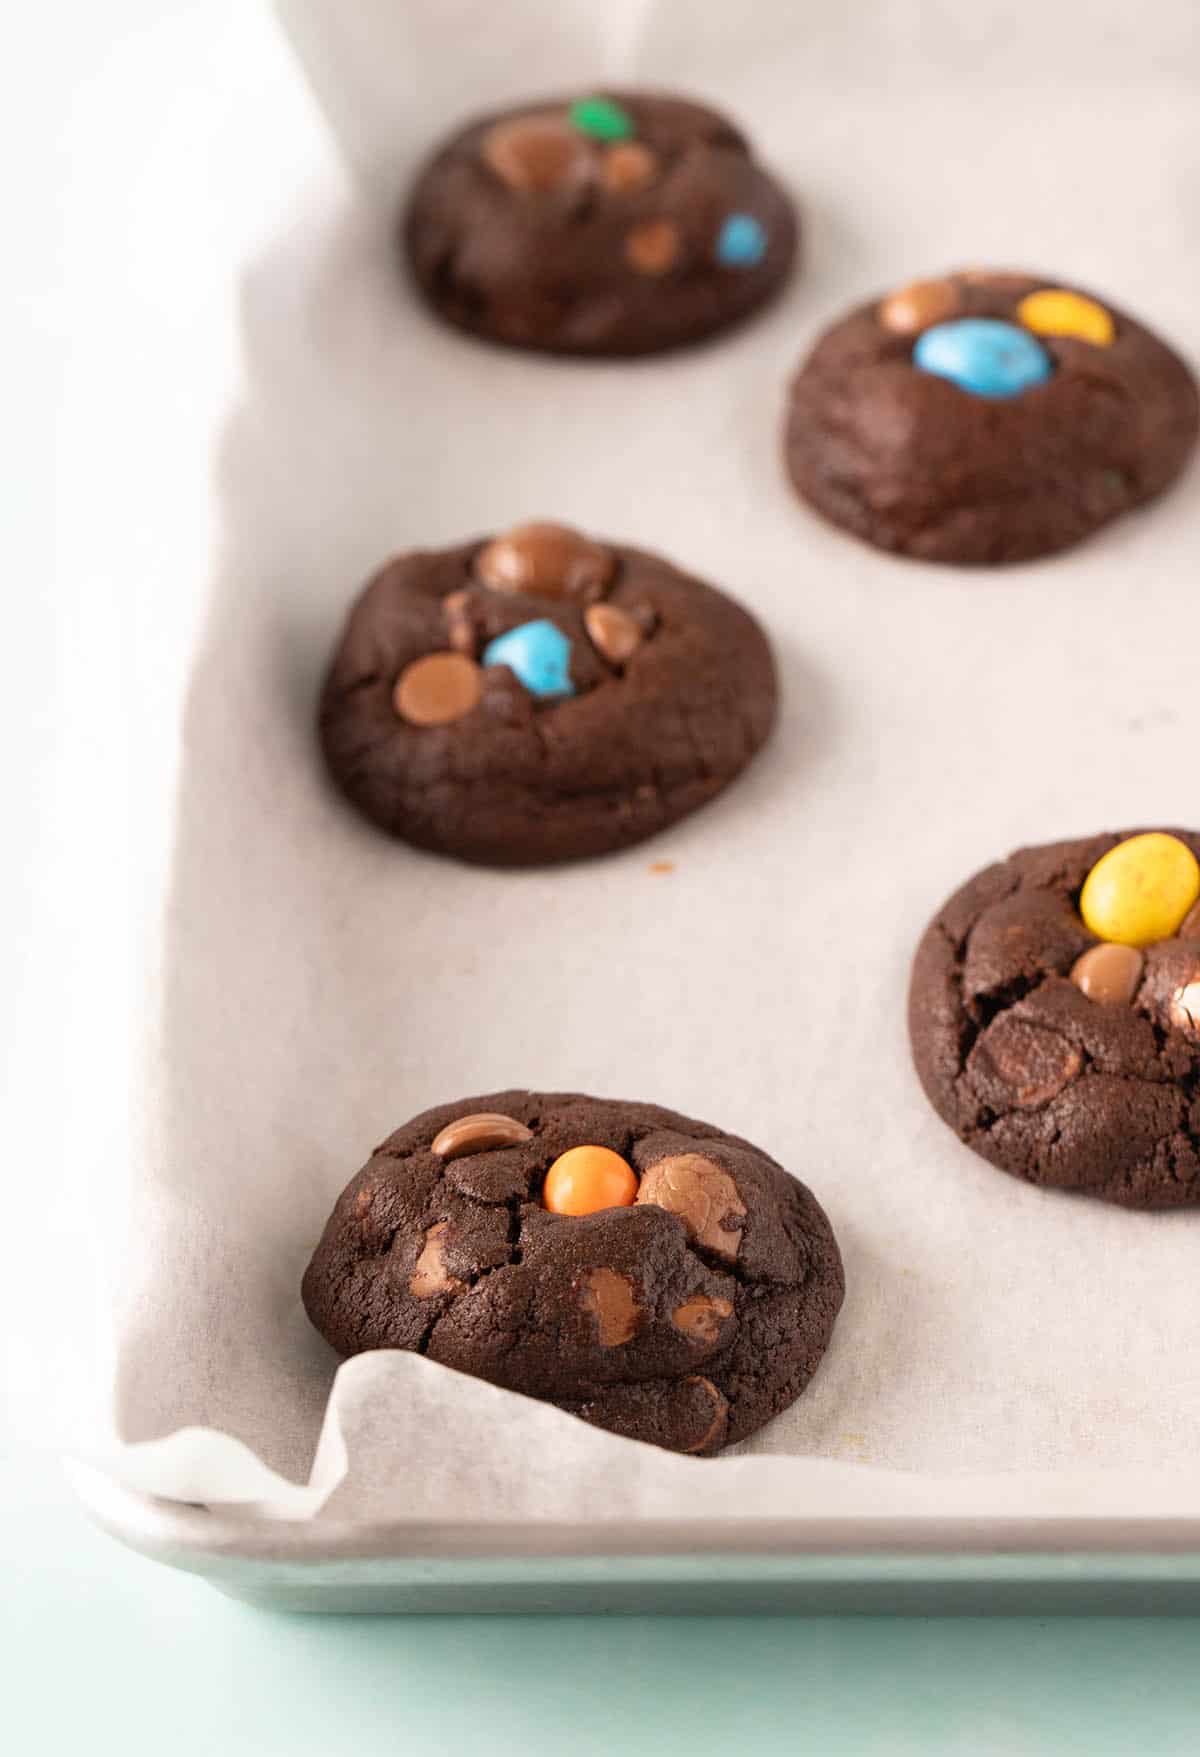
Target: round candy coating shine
<point x="1108" y="974"/>
<point x="602" y="119"/>
<point x="585" y="1179"/>
<point x="741" y="242"/>
<point x="911" y="309"/>
<point x="1141" y="891"/>
<point x="545" y="559"/>
<point x="984" y="356"/>
<point x="1052" y="311"/>
<point x="538" y="653"/>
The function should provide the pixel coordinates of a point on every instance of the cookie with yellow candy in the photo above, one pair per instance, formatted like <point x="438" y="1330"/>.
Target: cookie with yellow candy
<point x="983" y="416"/>
<point x="1054" y="1014"/>
<point x="655" y="1275"/>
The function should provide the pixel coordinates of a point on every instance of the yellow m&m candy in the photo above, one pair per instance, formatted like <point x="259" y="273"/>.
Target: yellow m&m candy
<point x="1052" y="311"/>
<point x="1141" y="891"/>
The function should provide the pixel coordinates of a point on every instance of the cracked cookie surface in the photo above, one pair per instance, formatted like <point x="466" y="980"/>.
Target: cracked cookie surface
<point x="632" y="695"/>
<point x="687" y="1318"/>
<point x="1046" y="1082"/>
<point x="916" y="464"/>
<point x="619" y="224"/>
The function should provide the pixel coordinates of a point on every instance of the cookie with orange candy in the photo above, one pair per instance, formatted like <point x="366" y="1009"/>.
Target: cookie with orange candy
<point x="650" y="1273"/>
<point x="1055" y="1016"/>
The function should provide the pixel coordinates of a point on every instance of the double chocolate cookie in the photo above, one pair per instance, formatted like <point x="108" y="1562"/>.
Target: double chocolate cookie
<point x="617" y="223"/>
<point x="1055" y="1016"/>
<point x="646" y="1272"/>
<point x="541" y="696"/>
<point x="986" y="417"/>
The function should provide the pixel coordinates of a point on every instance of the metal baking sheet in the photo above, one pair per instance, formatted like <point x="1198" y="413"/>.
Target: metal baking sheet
<point x="315" y="984"/>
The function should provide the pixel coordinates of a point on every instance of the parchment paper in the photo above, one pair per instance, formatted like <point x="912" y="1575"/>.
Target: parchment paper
<point x="315" y="984"/>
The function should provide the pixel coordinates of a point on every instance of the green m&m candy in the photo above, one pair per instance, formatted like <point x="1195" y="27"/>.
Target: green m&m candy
<point x="602" y="119"/>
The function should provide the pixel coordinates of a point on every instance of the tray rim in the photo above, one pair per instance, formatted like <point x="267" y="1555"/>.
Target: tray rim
<point x="167" y="1529"/>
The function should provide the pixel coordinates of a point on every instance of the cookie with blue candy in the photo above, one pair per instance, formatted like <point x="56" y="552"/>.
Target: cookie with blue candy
<point x="539" y="696"/>
<point x="985" y="417"/>
<point x="611" y="223"/>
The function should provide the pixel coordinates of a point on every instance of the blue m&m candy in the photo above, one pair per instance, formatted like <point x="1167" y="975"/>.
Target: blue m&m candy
<point x="983" y="355"/>
<point x="538" y="653"/>
<point x="741" y="242"/>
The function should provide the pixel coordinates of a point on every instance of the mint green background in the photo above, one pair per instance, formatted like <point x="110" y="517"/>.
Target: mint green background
<point x="104" y="1651"/>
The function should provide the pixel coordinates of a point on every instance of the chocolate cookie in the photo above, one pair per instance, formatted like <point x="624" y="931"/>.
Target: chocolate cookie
<point x="541" y="696"/>
<point x="986" y="417"/>
<point x="1055" y="1016"/>
<point x="621" y="223"/>
<point x="649" y="1273"/>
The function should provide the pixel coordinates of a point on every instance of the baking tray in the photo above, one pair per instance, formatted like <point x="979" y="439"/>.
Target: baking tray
<point x="884" y="787"/>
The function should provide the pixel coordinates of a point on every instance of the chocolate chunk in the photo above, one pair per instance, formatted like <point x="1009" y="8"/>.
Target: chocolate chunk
<point x="701" y="1316"/>
<point x="1033" y="1065"/>
<point x="1171" y="991"/>
<point x="717" y="1411"/>
<point x="430" y="1276"/>
<point x="479" y="1133"/>
<point x="614" y="632"/>
<point x="608" y="1297"/>
<point x="438" y="689"/>
<point x="704" y="1197"/>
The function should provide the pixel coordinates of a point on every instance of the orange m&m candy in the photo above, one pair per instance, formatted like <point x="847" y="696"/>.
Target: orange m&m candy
<point x="585" y="1179"/>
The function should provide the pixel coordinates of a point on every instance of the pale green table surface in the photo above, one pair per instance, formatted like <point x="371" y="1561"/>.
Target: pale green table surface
<point x="104" y="1651"/>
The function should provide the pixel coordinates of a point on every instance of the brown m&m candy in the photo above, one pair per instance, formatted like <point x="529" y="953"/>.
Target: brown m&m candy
<point x="437" y="689"/>
<point x="545" y="560"/>
<point x="479" y="1133"/>
<point x="1109" y="974"/>
<point x="615" y="634"/>
<point x="918" y="306"/>
<point x="534" y="154"/>
<point x="626" y="166"/>
<point x="653" y="247"/>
